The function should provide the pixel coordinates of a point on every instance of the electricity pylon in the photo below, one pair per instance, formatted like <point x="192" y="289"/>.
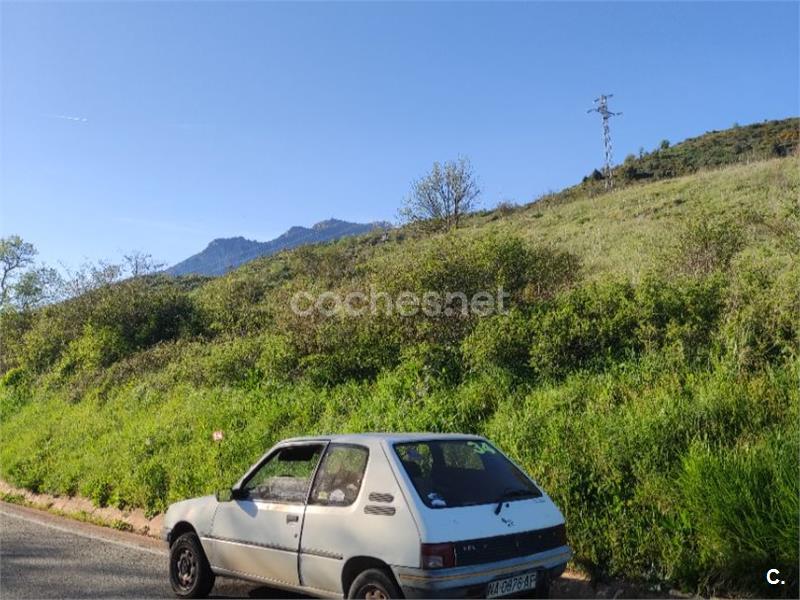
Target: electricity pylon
<point x="602" y="108"/>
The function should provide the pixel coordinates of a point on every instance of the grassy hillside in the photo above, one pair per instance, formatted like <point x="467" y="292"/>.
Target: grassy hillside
<point x="714" y="149"/>
<point x="646" y="373"/>
<point x="632" y="231"/>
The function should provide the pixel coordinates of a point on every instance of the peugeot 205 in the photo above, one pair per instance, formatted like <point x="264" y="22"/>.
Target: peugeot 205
<point x="374" y="516"/>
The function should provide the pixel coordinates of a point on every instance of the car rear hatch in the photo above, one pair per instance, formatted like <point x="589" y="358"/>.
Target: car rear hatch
<point x="476" y="499"/>
<point x="522" y="528"/>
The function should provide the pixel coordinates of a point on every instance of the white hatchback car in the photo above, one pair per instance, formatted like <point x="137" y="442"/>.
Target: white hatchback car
<point x="374" y="516"/>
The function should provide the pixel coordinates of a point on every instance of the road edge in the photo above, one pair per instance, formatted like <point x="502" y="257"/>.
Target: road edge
<point x="83" y="529"/>
<point x="84" y="510"/>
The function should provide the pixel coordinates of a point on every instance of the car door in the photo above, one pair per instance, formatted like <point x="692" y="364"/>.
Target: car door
<point x="329" y="526"/>
<point x="258" y="533"/>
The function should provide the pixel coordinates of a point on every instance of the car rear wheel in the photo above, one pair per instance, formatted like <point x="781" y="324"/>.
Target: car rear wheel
<point x="374" y="584"/>
<point x="189" y="572"/>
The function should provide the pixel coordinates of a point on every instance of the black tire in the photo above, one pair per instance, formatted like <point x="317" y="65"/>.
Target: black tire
<point x="374" y="584"/>
<point x="189" y="572"/>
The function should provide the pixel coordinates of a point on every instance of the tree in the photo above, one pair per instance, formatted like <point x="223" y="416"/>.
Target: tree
<point x="91" y="276"/>
<point x="443" y="196"/>
<point x="36" y="287"/>
<point x="141" y="263"/>
<point x="15" y="256"/>
<point x="24" y="285"/>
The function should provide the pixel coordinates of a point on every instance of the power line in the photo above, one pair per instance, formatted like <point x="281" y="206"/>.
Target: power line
<point x="602" y="108"/>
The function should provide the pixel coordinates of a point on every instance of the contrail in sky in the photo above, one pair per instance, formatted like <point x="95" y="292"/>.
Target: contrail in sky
<point x="69" y="118"/>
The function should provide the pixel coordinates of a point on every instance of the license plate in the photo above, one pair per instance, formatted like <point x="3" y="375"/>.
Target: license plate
<point x="511" y="585"/>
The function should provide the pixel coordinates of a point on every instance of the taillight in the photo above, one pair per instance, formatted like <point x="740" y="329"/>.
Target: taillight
<point x="438" y="556"/>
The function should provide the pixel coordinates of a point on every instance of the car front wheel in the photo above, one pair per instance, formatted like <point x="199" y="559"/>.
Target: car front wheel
<point x="189" y="571"/>
<point x="374" y="584"/>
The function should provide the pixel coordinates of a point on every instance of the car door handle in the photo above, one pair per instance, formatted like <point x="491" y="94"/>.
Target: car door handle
<point x="292" y="518"/>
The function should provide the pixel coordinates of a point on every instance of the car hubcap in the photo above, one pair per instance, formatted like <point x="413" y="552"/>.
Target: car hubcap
<point x="186" y="567"/>
<point x="375" y="593"/>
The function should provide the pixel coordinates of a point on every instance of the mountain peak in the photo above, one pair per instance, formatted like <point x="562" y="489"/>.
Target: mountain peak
<point x="328" y="223"/>
<point x="231" y="240"/>
<point x="224" y="254"/>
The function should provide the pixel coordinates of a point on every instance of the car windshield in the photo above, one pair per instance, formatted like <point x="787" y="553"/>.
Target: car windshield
<point x="450" y="473"/>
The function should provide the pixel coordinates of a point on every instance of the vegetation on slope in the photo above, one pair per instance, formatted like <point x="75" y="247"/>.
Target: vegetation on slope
<point x="750" y="143"/>
<point x="646" y="372"/>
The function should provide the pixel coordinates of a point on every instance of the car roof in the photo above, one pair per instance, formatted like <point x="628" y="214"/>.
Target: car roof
<point x="390" y="438"/>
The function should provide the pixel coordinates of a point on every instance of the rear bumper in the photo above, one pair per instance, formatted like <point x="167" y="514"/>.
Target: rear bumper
<point x="471" y="581"/>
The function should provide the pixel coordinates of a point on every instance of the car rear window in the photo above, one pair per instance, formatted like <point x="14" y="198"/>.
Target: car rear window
<point x="450" y="473"/>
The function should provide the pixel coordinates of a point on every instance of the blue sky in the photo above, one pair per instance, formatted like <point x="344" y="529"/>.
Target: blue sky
<point x="160" y="126"/>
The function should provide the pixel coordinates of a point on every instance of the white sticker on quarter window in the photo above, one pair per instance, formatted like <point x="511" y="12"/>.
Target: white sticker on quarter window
<point x="482" y="447"/>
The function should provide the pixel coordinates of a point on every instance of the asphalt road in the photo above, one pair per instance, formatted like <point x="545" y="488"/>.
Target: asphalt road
<point x="45" y="556"/>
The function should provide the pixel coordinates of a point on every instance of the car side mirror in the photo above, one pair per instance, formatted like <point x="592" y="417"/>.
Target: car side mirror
<point x="229" y="494"/>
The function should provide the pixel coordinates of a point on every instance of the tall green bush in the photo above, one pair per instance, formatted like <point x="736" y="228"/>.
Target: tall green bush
<point x="743" y="506"/>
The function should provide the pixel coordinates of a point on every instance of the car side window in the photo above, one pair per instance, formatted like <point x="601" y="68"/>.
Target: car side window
<point x="285" y="477"/>
<point x="340" y="475"/>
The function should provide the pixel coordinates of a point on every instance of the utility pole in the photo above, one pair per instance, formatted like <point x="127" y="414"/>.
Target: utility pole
<point x="602" y="108"/>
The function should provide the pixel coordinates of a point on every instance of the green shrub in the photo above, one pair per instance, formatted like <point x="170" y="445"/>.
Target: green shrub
<point x="14" y="377"/>
<point x="458" y="262"/>
<point x="707" y="245"/>
<point x="597" y="324"/>
<point x="346" y="348"/>
<point x="278" y="358"/>
<point x="432" y="364"/>
<point x="234" y="304"/>
<point x="762" y="317"/>
<point x="48" y="336"/>
<point x="743" y="506"/>
<point x="107" y="324"/>
<point x="681" y="313"/>
<point x="145" y="311"/>
<point x="14" y="325"/>
<point x="221" y="362"/>
<point x="583" y="329"/>
<point x="611" y="449"/>
<point x="97" y="347"/>
<point x="500" y="341"/>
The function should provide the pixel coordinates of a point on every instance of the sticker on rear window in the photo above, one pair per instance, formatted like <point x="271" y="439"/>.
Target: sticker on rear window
<point x="436" y="500"/>
<point x="481" y="448"/>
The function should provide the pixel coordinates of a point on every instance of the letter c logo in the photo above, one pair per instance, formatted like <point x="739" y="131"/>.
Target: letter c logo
<point x="773" y="580"/>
